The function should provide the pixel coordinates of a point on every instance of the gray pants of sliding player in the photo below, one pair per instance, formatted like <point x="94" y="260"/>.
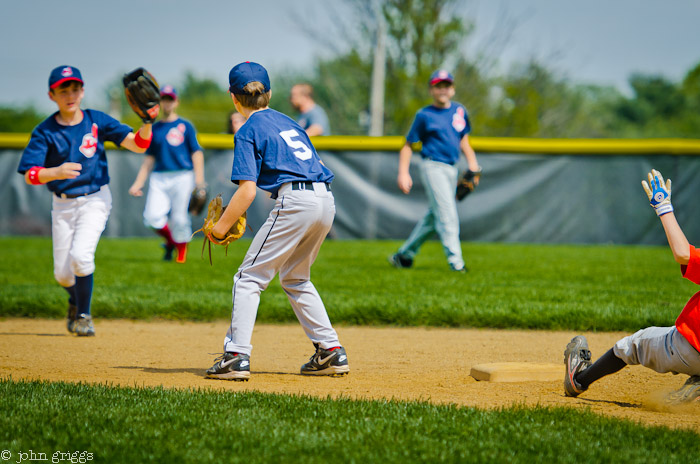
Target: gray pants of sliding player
<point x="662" y="349"/>
<point x="287" y="243"/>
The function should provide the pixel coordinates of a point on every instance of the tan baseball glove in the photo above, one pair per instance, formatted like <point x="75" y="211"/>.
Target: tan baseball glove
<point x="214" y="212"/>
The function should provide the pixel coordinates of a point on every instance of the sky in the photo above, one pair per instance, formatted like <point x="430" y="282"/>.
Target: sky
<point x="596" y="42"/>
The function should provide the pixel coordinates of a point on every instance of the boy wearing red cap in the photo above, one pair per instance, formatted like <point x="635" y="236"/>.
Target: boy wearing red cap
<point x="66" y="152"/>
<point x="443" y="128"/>
<point x="177" y="163"/>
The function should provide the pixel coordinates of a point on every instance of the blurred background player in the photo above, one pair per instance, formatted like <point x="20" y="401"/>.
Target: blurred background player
<point x="443" y="128"/>
<point x="313" y="119"/>
<point x="274" y="153"/>
<point x="664" y="349"/>
<point x="66" y="152"/>
<point x="235" y="121"/>
<point x="177" y="164"/>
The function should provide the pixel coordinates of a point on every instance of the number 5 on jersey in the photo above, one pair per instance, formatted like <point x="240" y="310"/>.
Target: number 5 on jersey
<point x="302" y="151"/>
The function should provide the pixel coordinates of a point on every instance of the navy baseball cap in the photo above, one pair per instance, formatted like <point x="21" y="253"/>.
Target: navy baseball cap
<point x="168" y="91"/>
<point x="62" y="74"/>
<point x="244" y="73"/>
<point x="441" y="76"/>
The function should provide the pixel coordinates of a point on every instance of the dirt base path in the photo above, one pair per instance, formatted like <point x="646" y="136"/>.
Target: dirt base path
<point x="423" y="364"/>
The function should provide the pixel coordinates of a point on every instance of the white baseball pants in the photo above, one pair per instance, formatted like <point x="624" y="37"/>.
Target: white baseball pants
<point x="77" y="224"/>
<point x="287" y="243"/>
<point x="169" y="193"/>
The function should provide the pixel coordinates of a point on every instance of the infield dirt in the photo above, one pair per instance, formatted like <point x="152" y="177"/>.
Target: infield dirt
<point x="423" y="364"/>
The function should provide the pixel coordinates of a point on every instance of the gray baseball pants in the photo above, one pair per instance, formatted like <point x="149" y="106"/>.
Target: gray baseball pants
<point x="662" y="349"/>
<point x="288" y="244"/>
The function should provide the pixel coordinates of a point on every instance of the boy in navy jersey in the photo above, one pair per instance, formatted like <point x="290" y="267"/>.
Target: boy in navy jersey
<point x="274" y="153"/>
<point x="66" y="152"/>
<point x="443" y="128"/>
<point x="177" y="162"/>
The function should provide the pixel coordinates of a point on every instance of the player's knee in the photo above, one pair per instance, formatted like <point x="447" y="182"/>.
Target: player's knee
<point x="181" y="231"/>
<point x="64" y="278"/>
<point x="83" y="265"/>
<point x="155" y="222"/>
<point x="293" y="284"/>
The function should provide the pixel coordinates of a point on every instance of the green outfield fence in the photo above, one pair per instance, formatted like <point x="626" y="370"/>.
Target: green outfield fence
<point x="532" y="190"/>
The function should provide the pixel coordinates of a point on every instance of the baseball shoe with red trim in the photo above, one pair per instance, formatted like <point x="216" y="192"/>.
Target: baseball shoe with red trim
<point x="577" y="357"/>
<point x="333" y="361"/>
<point x="230" y="366"/>
<point x="689" y="392"/>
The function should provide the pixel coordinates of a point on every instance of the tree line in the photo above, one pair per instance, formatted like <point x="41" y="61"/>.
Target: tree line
<point x="531" y="99"/>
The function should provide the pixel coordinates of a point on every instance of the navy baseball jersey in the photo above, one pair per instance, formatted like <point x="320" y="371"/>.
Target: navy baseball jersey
<point x="53" y="144"/>
<point x="272" y="149"/>
<point x="440" y="130"/>
<point x="172" y="145"/>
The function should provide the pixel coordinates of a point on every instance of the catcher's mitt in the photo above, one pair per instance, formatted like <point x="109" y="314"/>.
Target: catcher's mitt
<point x="143" y="94"/>
<point x="198" y="199"/>
<point x="214" y="212"/>
<point x="466" y="184"/>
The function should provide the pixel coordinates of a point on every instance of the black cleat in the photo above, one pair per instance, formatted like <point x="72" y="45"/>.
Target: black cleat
<point x="230" y="366"/>
<point x="327" y="362"/>
<point x="168" y="255"/>
<point x="400" y="261"/>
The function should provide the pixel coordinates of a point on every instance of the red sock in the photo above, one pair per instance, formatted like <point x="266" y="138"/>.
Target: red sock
<point x="165" y="233"/>
<point x="181" y="252"/>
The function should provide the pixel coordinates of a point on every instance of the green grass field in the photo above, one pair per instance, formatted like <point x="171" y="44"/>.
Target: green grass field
<point x="155" y="425"/>
<point x="509" y="285"/>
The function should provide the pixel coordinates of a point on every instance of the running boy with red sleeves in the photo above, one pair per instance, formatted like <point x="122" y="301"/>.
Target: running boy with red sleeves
<point x="66" y="152"/>
<point x="663" y="349"/>
<point x="177" y="162"/>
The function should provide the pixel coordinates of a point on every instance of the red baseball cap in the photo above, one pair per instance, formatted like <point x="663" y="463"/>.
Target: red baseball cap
<point x="168" y="91"/>
<point x="62" y="74"/>
<point x="441" y="75"/>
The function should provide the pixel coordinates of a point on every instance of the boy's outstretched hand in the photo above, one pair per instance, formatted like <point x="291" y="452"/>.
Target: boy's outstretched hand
<point x="659" y="193"/>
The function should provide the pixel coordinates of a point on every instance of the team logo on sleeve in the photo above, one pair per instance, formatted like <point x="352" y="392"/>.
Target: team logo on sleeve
<point x="89" y="145"/>
<point x="459" y="122"/>
<point x="176" y="135"/>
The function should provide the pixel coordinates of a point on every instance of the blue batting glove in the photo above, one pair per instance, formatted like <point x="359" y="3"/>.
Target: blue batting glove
<point x="659" y="193"/>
